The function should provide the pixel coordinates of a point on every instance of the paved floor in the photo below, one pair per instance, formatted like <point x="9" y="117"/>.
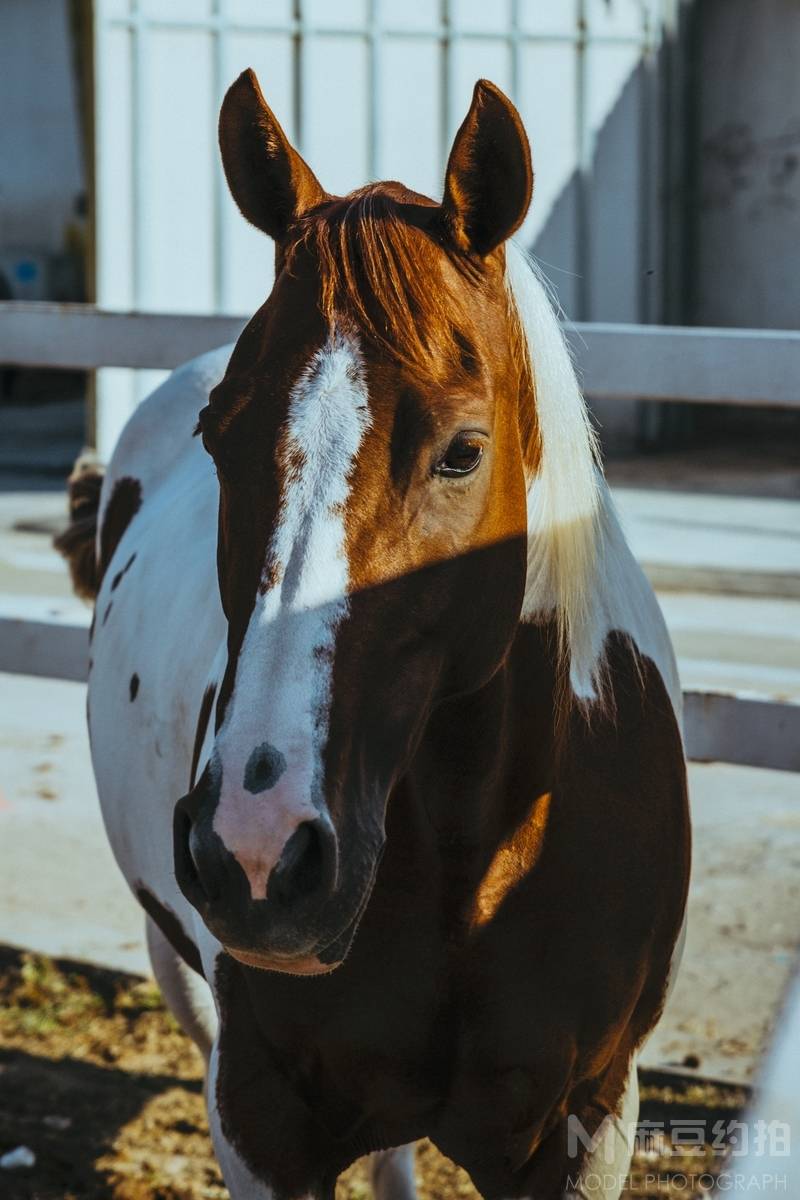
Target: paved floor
<point x="734" y="544"/>
<point x="60" y="890"/>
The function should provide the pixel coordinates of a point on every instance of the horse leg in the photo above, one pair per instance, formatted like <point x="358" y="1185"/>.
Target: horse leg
<point x="186" y="993"/>
<point x="605" y="1168"/>
<point x="239" y="1179"/>
<point x="189" y="998"/>
<point x="391" y="1173"/>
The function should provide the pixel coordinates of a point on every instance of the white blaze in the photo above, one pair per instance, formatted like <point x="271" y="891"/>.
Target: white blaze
<point x="282" y="689"/>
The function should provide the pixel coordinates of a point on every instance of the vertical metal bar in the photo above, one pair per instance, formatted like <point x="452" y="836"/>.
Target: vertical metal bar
<point x="373" y="87"/>
<point x="298" y="108"/>
<point x="675" y="160"/>
<point x="648" y="418"/>
<point x="584" y="164"/>
<point x="445" y="98"/>
<point x="690" y="137"/>
<point x="88" y="66"/>
<point x="651" y="138"/>
<point x="220" y="282"/>
<point x="515" y="38"/>
<point x="139" y="114"/>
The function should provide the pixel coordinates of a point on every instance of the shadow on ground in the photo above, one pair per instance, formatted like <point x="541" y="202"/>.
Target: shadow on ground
<point x="40" y="1095"/>
<point x="97" y="1081"/>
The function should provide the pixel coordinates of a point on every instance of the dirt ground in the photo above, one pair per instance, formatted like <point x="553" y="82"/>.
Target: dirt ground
<point x="98" y="1082"/>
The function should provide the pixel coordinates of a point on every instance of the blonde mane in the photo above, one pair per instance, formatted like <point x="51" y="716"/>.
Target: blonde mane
<point x="566" y="493"/>
<point x="581" y="572"/>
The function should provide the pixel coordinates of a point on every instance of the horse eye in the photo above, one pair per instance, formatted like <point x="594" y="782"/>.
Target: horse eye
<point x="461" y="457"/>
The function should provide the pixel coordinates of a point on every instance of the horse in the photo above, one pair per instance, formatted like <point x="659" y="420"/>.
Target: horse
<point x="384" y="717"/>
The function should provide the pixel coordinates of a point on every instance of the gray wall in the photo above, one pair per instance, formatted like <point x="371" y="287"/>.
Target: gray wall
<point x="745" y="210"/>
<point x="41" y="171"/>
<point x="603" y="243"/>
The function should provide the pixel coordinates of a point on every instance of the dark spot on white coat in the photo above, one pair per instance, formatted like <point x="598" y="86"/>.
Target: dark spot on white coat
<point x="264" y="768"/>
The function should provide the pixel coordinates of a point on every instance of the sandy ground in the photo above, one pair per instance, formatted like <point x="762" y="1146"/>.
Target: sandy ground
<point x="106" y="1095"/>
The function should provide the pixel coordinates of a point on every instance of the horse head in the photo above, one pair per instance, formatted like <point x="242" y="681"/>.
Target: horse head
<point x="372" y="454"/>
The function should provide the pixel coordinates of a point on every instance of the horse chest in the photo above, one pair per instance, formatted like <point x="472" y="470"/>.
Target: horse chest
<point x="397" y="1044"/>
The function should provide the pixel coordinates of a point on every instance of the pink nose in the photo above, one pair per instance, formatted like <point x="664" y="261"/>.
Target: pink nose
<point x="304" y="871"/>
<point x="267" y="882"/>
<point x="271" y="834"/>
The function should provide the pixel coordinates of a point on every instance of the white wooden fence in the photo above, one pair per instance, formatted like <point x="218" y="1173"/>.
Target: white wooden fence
<point x="757" y="367"/>
<point x="753" y="367"/>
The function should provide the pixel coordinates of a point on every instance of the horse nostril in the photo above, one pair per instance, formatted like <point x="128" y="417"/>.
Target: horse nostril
<point x="196" y="883"/>
<point x="307" y="865"/>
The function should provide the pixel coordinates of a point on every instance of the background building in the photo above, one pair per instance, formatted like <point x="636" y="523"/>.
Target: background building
<point x="665" y="133"/>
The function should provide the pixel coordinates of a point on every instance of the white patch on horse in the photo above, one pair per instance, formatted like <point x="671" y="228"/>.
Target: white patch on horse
<point x="282" y="689"/>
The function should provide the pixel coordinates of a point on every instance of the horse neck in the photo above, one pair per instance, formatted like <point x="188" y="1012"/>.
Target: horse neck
<point x="486" y="757"/>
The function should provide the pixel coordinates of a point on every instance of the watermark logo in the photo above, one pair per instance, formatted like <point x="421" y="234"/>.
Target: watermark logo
<point x="728" y="1139"/>
<point x="598" y="1183"/>
<point x="663" y="1154"/>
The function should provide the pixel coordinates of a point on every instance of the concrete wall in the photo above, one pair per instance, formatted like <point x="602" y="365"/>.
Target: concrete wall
<point x="745" y="206"/>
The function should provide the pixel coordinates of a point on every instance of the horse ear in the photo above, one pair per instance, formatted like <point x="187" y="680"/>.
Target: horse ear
<point x="489" y="178"/>
<point x="270" y="182"/>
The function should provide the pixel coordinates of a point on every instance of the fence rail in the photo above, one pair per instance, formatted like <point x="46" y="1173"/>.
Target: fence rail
<point x="758" y="367"/>
<point x="736" y="366"/>
<point x="748" y="730"/>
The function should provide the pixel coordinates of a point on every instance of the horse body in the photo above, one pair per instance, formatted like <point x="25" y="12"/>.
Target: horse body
<point x="158" y="622"/>
<point x="403" y="769"/>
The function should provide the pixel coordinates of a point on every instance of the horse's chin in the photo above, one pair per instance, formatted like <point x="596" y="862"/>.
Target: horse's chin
<point x="328" y="956"/>
<point x="286" y="965"/>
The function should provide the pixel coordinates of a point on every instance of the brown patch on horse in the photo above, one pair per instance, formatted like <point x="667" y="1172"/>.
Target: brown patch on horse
<point x="171" y="928"/>
<point x="206" y="704"/>
<point x="273" y="573"/>
<point x="77" y="542"/>
<point x="123" y="505"/>
<point x="483" y="1035"/>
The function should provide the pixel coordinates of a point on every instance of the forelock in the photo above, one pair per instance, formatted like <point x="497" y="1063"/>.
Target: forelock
<point x="381" y="256"/>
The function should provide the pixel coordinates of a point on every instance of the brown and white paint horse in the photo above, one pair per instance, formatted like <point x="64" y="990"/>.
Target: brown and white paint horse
<point x="384" y="716"/>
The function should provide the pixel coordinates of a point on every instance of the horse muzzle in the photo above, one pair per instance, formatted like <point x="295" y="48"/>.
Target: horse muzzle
<point x="304" y="920"/>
